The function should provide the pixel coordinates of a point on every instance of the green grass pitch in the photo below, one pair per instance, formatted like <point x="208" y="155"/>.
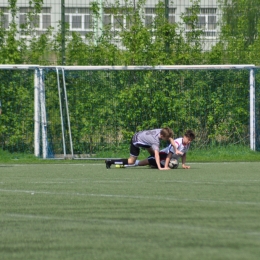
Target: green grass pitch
<point x="84" y="211"/>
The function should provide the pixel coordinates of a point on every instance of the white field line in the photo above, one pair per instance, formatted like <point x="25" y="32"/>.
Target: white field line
<point x="117" y="222"/>
<point x="69" y="181"/>
<point x="98" y="164"/>
<point x="33" y="192"/>
<point x="211" y="182"/>
<point x="52" y="182"/>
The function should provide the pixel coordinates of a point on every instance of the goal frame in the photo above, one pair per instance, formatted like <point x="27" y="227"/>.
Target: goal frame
<point x="40" y="121"/>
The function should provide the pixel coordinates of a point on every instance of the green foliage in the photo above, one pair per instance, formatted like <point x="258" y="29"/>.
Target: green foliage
<point x="160" y="42"/>
<point x="239" y="32"/>
<point x="16" y="128"/>
<point x="15" y="47"/>
<point x="11" y="48"/>
<point x="216" y="105"/>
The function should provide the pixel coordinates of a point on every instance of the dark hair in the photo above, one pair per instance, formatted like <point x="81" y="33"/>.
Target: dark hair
<point x="190" y="134"/>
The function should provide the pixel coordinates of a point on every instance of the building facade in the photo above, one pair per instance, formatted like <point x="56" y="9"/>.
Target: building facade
<point x="80" y="18"/>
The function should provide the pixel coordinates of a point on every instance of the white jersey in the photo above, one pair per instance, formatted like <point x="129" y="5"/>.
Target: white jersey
<point x="180" y="146"/>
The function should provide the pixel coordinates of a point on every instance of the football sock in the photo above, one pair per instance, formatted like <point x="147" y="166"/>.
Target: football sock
<point x="132" y="165"/>
<point x="120" y="161"/>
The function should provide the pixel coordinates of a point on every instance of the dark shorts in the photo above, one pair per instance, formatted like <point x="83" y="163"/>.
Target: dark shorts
<point x="135" y="148"/>
<point x="152" y="161"/>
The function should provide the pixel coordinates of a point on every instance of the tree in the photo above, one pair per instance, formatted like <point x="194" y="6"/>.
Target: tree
<point x="239" y="30"/>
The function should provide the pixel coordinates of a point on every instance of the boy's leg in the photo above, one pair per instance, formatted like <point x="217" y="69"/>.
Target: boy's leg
<point x="130" y="160"/>
<point x="148" y="161"/>
<point x="152" y="162"/>
<point x="134" y="152"/>
<point x="143" y="162"/>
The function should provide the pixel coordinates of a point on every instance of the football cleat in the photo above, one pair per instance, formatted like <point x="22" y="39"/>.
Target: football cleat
<point x="108" y="163"/>
<point x="120" y="166"/>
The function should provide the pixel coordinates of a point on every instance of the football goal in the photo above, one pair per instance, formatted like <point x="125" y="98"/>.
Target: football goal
<point x="86" y="112"/>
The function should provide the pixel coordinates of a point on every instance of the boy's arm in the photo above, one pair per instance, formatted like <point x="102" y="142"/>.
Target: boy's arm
<point x="183" y="158"/>
<point x="157" y="159"/>
<point x="175" y="147"/>
<point x="168" y="158"/>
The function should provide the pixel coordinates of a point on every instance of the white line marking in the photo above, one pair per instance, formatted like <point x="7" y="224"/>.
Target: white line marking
<point x="212" y="182"/>
<point x="136" y="222"/>
<point x="99" y="164"/>
<point x="69" y="181"/>
<point x="51" y="182"/>
<point x="133" y="197"/>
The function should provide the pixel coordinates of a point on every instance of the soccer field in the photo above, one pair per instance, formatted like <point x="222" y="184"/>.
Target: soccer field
<point x="84" y="211"/>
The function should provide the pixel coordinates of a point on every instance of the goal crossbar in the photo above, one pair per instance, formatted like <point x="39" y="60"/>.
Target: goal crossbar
<point x="161" y="67"/>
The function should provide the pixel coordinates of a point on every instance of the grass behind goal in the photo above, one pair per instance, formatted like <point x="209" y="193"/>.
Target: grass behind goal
<point x="84" y="211"/>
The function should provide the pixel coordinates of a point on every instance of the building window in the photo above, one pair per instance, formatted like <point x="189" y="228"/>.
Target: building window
<point x="39" y="22"/>
<point x="4" y="17"/>
<point x="150" y="14"/>
<point x="117" y="21"/>
<point x="79" y="20"/>
<point x="207" y="21"/>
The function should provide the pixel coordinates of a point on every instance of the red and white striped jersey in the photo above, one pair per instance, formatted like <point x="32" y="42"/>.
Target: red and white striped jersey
<point x="180" y="146"/>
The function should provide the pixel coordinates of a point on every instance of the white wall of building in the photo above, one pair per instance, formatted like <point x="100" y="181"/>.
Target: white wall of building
<point x="79" y="18"/>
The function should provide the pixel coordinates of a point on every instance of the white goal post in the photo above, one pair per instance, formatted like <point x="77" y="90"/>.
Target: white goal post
<point x="41" y="122"/>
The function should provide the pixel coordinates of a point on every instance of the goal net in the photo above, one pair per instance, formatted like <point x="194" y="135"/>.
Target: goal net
<point x="92" y="112"/>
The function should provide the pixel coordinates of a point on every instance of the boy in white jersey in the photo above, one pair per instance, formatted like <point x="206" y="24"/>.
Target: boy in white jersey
<point x="150" y="140"/>
<point x="182" y="145"/>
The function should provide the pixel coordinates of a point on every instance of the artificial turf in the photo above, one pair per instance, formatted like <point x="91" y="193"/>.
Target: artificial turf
<point x="84" y="211"/>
